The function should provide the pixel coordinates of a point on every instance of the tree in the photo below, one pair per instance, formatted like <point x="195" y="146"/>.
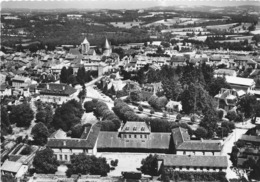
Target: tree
<point x="201" y="132"/>
<point x="150" y="165"/>
<point x="256" y="38"/>
<point x="72" y="80"/>
<point x="135" y="96"/>
<point x="77" y="131"/>
<point x="64" y="75"/>
<point x="216" y="85"/>
<point x="246" y="105"/>
<point x="22" y="115"/>
<point x="89" y="106"/>
<point x="40" y="134"/>
<point x="70" y="71"/>
<point x="44" y="114"/>
<point x="209" y="122"/>
<point x="81" y="75"/>
<point x="85" y="164"/>
<point x="45" y="162"/>
<point x="27" y="150"/>
<point x="5" y="123"/>
<point x="68" y="115"/>
<point x="152" y="111"/>
<point x="231" y="115"/>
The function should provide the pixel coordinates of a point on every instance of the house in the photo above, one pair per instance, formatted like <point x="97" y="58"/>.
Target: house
<point x="5" y="90"/>
<point x="172" y="163"/>
<point x="64" y="147"/>
<point x="172" y="106"/>
<point x="239" y="83"/>
<point x="178" y="61"/>
<point x="184" y="146"/>
<point x="134" y="137"/>
<point x="225" y="72"/>
<point x="16" y="169"/>
<point x="20" y="82"/>
<point x="250" y="149"/>
<point x="57" y="93"/>
<point x="151" y="89"/>
<point x="241" y="61"/>
<point x="227" y="99"/>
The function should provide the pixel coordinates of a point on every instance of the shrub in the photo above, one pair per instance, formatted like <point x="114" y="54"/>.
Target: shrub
<point x="27" y="150"/>
<point x="220" y="114"/>
<point x="231" y="115"/>
<point x="140" y="108"/>
<point x="152" y="111"/>
<point x="114" y="162"/>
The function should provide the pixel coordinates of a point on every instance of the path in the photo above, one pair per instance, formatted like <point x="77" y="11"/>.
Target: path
<point x="227" y="148"/>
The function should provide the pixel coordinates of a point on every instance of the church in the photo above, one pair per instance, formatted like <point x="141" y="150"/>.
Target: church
<point x="87" y="50"/>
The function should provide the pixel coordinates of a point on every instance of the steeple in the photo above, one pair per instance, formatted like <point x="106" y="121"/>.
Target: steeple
<point x="85" y="41"/>
<point x="107" y="50"/>
<point x="85" y="46"/>
<point x="106" y="45"/>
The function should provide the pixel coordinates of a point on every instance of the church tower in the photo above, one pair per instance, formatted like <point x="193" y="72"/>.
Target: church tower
<point x="107" y="50"/>
<point x="85" y="46"/>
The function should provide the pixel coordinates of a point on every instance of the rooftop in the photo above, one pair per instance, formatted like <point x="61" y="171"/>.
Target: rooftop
<point x="112" y="140"/>
<point x="249" y="138"/>
<point x="11" y="166"/>
<point x="194" y="161"/>
<point x="58" y="89"/>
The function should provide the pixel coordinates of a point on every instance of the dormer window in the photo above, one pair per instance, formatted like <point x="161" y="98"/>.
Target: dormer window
<point x="127" y="128"/>
<point x="142" y="129"/>
<point x="135" y="128"/>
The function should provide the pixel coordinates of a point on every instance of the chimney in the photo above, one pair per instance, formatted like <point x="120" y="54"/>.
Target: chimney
<point x="64" y="143"/>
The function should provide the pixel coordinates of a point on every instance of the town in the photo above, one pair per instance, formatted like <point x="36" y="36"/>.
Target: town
<point x="151" y="94"/>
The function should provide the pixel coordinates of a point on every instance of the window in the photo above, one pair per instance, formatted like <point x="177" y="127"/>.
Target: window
<point x="201" y="168"/>
<point x="135" y="136"/>
<point x="125" y="136"/>
<point x="60" y="157"/>
<point x="66" y="157"/>
<point x="145" y="136"/>
<point x="127" y="128"/>
<point x="184" y="152"/>
<point x="142" y="129"/>
<point x="129" y="136"/>
<point x="135" y="128"/>
<point x="188" y="168"/>
<point x="141" y="136"/>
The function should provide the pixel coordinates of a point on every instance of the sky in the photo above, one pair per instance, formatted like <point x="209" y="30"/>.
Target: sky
<point x="119" y="4"/>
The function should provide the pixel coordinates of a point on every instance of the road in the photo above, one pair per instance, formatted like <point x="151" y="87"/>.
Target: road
<point x="227" y="148"/>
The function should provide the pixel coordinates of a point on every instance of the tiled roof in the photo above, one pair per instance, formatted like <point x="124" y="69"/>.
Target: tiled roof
<point x="227" y="72"/>
<point x="180" y="135"/>
<point x="135" y="127"/>
<point x="178" y="59"/>
<point x="242" y="58"/>
<point x="249" y="138"/>
<point x="113" y="141"/>
<point x="58" y="89"/>
<point x="198" y="145"/>
<point x="11" y="166"/>
<point x="76" y="143"/>
<point x="182" y="141"/>
<point x="194" y="161"/>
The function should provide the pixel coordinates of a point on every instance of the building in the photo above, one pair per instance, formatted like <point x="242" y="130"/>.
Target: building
<point x="192" y="163"/>
<point x="106" y="48"/>
<point x="227" y="99"/>
<point x="178" y="61"/>
<point x="134" y="137"/>
<point x="250" y="149"/>
<point x="172" y="106"/>
<point x="239" y="83"/>
<point x="15" y="169"/>
<point x="20" y="82"/>
<point x="57" y="93"/>
<point x="184" y="146"/>
<point x="64" y="147"/>
<point x="225" y="72"/>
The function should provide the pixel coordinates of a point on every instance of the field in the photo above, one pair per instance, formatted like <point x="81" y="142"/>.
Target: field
<point x="125" y="24"/>
<point x="221" y="27"/>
